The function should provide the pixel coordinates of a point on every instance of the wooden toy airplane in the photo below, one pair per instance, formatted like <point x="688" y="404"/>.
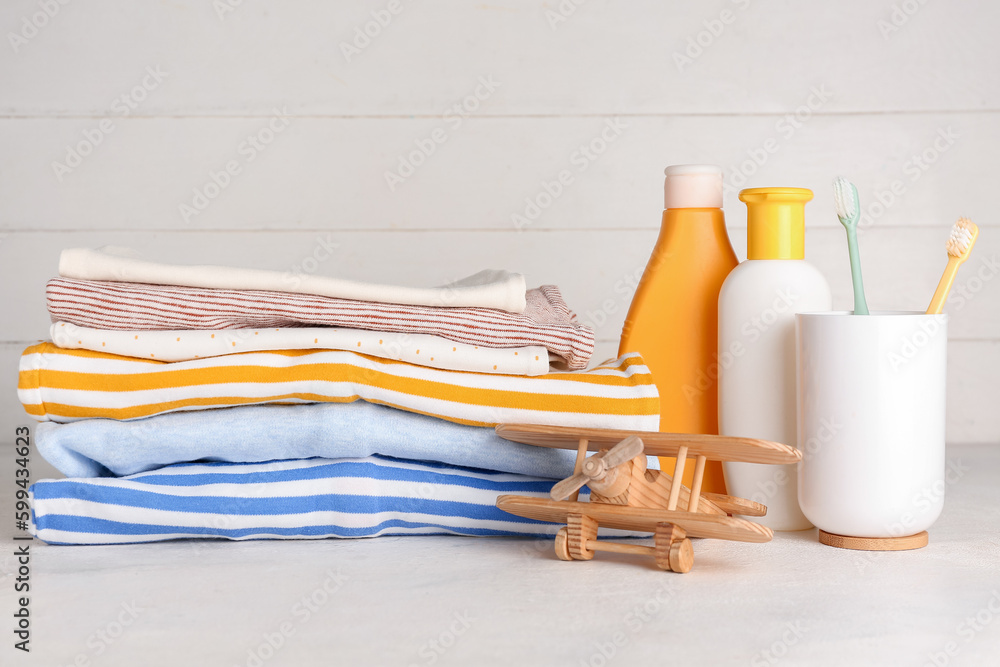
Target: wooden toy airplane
<point x="627" y="496"/>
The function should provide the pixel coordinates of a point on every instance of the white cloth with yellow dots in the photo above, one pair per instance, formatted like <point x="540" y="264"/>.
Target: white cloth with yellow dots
<point x="421" y="349"/>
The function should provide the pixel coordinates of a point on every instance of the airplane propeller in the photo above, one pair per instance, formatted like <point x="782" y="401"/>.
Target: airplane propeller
<point x="597" y="466"/>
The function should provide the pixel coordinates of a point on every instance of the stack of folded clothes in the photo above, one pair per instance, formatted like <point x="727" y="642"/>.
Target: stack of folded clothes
<point x="201" y="401"/>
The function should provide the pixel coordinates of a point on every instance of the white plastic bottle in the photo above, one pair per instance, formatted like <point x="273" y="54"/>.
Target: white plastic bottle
<point x="757" y="307"/>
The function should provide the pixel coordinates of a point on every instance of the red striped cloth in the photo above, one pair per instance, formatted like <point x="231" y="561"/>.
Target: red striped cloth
<point x="546" y="320"/>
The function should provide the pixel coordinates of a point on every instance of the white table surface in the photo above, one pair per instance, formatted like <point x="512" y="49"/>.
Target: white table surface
<point x="481" y="601"/>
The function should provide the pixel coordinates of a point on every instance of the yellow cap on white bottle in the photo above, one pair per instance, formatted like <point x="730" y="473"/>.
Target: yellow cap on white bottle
<point x="776" y="222"/>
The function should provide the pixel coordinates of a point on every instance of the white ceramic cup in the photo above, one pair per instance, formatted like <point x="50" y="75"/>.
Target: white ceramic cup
<point x="871" y="421"/>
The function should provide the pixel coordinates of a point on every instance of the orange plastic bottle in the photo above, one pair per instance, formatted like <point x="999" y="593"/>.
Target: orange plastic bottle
<point x="674" y="317"/>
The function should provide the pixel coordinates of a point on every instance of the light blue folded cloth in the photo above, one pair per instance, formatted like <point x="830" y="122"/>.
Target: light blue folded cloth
<point x="256" y="433"/>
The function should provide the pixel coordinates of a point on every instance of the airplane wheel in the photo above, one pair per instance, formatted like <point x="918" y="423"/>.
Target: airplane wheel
<point x="580" y="530"/>
<point x="562" y="544"/>
<point x="681" y="555"/>
<point x="672" y="548"/>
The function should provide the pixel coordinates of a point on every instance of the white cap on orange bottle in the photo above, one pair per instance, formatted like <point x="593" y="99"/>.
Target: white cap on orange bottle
<point x="692" y="186"/>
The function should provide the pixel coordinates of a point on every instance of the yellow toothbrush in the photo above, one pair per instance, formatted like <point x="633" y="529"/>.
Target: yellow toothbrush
<point x="963" y="237"/>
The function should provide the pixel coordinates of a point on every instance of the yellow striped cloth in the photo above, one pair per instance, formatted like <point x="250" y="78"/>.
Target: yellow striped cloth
<point x="64" y="385"/>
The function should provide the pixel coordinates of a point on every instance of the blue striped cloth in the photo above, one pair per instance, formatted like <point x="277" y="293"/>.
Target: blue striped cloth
<point x="290" y="499"/>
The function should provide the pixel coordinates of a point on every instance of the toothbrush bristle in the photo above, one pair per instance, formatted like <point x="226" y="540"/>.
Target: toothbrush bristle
<point x="844" y="199"/>
<point x="963" y="233"/>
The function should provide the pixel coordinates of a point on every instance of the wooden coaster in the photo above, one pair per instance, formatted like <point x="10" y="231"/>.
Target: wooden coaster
<point x="874" y="543"/>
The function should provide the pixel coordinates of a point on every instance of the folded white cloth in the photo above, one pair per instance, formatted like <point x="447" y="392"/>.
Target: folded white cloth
<point x="188" y="344"/>
<point x="486" y="289"/>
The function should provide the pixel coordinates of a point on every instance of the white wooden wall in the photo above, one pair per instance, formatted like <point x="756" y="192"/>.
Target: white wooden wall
<point x="113" y="115"/>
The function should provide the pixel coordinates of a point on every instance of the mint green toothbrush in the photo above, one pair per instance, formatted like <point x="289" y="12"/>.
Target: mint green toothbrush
<point x="845" y="198"/>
